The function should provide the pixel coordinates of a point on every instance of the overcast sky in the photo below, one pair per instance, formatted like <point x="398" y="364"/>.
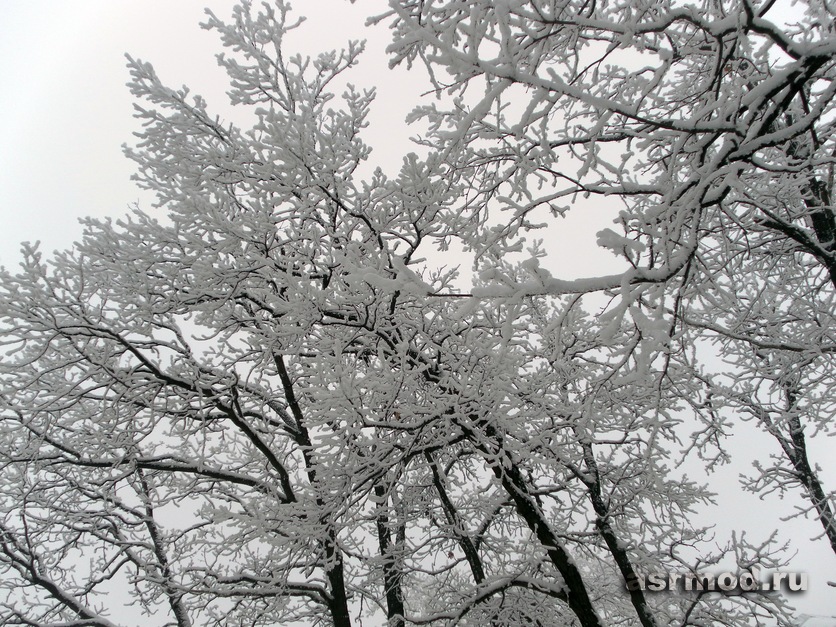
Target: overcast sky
<point x="65" y="113"/>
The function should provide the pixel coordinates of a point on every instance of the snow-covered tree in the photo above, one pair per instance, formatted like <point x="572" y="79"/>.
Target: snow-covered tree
<point x="278" y="404"/>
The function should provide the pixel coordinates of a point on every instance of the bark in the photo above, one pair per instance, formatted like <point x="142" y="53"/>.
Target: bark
<point x="392" y="575"/>
<point x="526" y="506"/>
<point x="334" y="569"/>
<point x="465" y="542"/>
<point x="608" y="533"/>
<point x="795" y="448"/>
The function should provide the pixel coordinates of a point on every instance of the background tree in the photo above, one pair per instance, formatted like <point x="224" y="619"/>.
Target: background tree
<point x="278" y="404"/>
<point x="711" y="124"/>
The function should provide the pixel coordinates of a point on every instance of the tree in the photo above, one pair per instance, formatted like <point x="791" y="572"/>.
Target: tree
<point x="726" y="178"/>
<point x="279" y="405"/>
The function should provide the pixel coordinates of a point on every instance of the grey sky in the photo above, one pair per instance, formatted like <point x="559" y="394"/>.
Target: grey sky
<point x="65" y="110"/>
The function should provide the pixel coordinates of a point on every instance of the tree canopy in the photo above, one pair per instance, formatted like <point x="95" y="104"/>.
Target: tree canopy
<point x="284" y="398"/>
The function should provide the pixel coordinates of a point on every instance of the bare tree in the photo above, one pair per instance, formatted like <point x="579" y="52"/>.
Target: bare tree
<point x="280" y="405"/>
